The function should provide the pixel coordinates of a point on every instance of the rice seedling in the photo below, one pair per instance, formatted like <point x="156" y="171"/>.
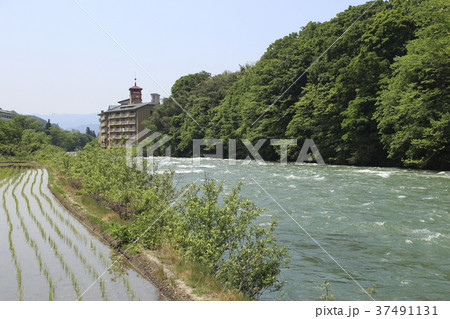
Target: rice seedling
<point x="76" y="286"/>
<point x="11" y="246"/>
<point x="63" y="236"/>
<point x="61" y="217"/>
<point x="57" y="254"/>
<point x="103" y="289"/>
<point x="130" y="291"/>
<point x="32" y="243"/>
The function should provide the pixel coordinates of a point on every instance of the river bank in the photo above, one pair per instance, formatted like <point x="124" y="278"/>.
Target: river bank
<point x="158" y="266"/>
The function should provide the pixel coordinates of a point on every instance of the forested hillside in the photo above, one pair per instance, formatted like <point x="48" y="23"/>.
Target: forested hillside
<point x="379" y="96"/>
<point x="25" y="136"/>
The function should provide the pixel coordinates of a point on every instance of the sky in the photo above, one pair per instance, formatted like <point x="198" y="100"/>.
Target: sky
<point x="55" y="59"/>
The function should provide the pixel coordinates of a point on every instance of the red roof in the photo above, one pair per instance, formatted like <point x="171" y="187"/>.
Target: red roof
<point x="135" y="88"/>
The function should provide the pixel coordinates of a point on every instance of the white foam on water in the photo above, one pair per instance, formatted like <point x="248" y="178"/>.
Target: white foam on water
<point x="365" y="171"/>
<point x="408" y="241"/>
<point x="292" y="186"/>
<point x="384" y="174"/>
<point x="440" y="175"/>
<point x="429" y="235"/>
<point x="367" y="204"/>
<point x="206" y="166"/>
<point x="184" y="166"/>
<point x="405" y="282"/>
<point x="401" y="196"/>
<point x="291" y="176"/>
<point x="421" y="231"/>
<point x="188" y="171"/>
<point x="380" y="223"/>
<point x="432" y="236"/>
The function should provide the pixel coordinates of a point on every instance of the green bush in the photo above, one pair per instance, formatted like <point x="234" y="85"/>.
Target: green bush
<point x="222" y="236"/>
<point x="242" y="254"/>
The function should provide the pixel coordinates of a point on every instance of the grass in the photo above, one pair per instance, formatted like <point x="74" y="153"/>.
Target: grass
<point x="58" y="190"/>
<point x="196" y="276"/>
<point x="193" y="275"/>
<point x="160" y="273"/>
<point x="94" y="211"/>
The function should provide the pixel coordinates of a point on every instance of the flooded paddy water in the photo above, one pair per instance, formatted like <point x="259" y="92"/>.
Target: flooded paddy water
<point x="46" y="254"/>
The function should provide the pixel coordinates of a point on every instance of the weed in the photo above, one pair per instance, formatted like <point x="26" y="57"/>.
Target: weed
<point x="326" y="292"/>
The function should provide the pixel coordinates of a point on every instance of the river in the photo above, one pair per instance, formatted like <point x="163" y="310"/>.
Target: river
<point x="381" y="231"/>
<point x="46" y="254"/>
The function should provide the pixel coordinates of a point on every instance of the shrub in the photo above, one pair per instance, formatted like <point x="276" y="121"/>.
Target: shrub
<point x="242" y="254"/>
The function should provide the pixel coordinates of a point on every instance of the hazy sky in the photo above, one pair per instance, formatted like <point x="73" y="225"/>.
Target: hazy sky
<point x="55" y="59"/>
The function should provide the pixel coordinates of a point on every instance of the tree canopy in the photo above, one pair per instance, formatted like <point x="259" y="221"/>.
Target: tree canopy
<point x="379" y="96"/>
<point x="23" y="136"/>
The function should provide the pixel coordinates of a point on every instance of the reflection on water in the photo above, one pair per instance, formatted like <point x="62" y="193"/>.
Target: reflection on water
<point x="46" y="254"/>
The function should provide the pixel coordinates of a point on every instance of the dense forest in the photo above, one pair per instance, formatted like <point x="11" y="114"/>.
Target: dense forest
<point x="23" y="136"/>
<point x="379" y="96"/>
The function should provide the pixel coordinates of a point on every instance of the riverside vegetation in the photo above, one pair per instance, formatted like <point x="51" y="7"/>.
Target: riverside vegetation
<point x="220" y="244"/>
<point x="378" y="97"/>
<point x="215" y="244"/>
<point x="221" y="240"/>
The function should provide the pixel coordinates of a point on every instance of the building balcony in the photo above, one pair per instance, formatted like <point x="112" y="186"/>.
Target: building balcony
<point x="122" y="115"/>
<point x="122" y="129"/>
<point x="122" y="122"/>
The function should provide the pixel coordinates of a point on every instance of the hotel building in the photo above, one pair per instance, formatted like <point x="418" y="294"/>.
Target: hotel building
<point x="121" y="122"/>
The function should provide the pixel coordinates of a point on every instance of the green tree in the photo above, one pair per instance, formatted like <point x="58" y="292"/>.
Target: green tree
<point x="413" y="116"/>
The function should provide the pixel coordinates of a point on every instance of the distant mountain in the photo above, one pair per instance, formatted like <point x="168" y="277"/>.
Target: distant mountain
<point x="74" y="121"/>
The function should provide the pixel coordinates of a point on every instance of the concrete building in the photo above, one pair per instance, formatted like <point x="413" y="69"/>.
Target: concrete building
<point x="5" y="115"/>
<point x="121" y="122"/>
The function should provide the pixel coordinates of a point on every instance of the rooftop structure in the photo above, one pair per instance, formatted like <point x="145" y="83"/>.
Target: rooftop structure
<point x="121" y="122"/>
